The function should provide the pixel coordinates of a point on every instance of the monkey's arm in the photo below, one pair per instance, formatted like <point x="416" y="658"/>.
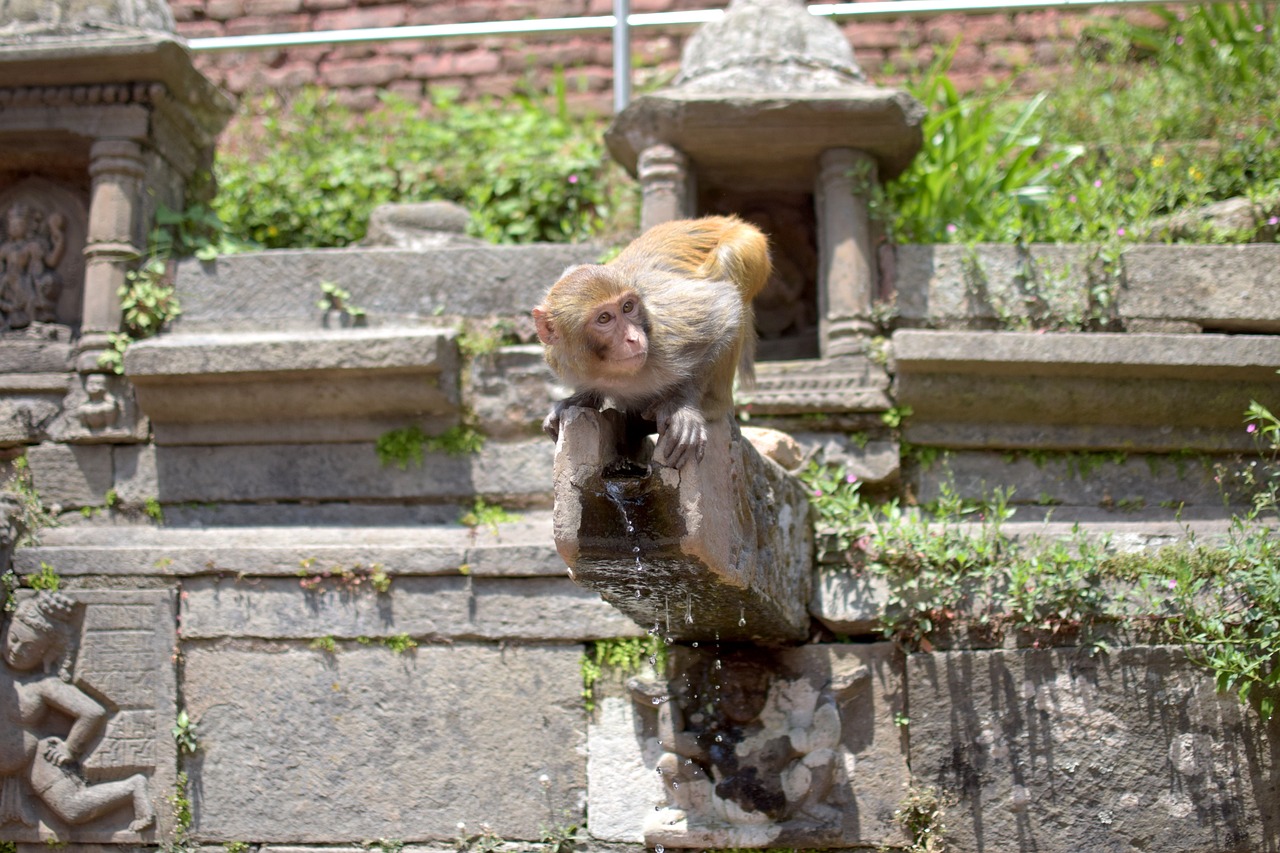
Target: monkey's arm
<point x="585" y="399"/>
<point x="682" y="429"/>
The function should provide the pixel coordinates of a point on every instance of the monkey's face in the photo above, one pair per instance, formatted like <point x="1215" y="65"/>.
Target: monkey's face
<point x="617" y="336"/>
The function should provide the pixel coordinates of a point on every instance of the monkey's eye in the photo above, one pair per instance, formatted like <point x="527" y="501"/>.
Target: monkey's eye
<point x="605" y="318"/>
<point x="628" y="307"/>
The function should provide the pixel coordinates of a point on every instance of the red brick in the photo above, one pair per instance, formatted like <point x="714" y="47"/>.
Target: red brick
<point x="476" y="62"/>
<point x="186" y="10"/>
<point x="292" y="76"/>
<point x="224" y="10"/>
<point x="251" y="26"/>
<point x="361" y="99"/>
<point x="1035" y="26"/>
<point x="1010" y="55"/>
<point x="373" y="72"/>
<point x="428" y="66"/>
<point x="359" y="19"/>
<point x="983" y="29"/>
<point x="324" y="5"/>
<point x="878" y="34"/>
<point x="410" y="90"/>
<point x="201" y="30"/>
<point x="272" y="7"/>
<point x="967" y="58"/>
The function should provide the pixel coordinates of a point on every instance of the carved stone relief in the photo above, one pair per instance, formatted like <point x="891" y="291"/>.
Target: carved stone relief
<point x="99" y="408"/>
<point x="758" y="748"/>
<point x="42" y="238"/>
<point x="85" y="690"/>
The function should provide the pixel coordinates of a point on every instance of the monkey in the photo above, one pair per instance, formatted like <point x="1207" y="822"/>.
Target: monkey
<point x="661" y="329"/>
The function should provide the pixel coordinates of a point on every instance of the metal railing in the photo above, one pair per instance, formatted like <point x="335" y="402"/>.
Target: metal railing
<point x="621" y="32"/>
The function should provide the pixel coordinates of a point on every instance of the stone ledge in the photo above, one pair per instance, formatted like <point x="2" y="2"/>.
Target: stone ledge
<point x="522" y="548"/>
<point x="1080" y="390"/>
<point x="279" y="288"/>
<point x="1185" y="287"/>
<point x="316" y="386"/>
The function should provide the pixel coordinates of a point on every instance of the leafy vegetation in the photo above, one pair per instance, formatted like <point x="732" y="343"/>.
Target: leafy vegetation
<point x="307" y="172"/>
<point x="625" y="655"/>
<point x="1152" y="120"/>
<point x="950" y="566"/>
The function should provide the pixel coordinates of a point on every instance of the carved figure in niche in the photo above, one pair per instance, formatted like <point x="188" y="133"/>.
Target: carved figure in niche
<point x="786" y="306"/>
<point x="35" y="642"/>
<point x="101" y="410"/>
<point x="29" y="282"/>
<point x="761" y="750"/>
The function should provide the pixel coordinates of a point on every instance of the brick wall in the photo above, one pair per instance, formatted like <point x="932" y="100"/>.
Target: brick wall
<point x="1029" y="46"/>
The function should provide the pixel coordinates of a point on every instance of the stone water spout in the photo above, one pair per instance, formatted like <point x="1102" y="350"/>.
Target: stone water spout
<point x="718" y="550"/>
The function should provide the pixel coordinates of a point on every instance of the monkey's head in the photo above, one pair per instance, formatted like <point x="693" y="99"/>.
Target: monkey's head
<point x="594" y="324"/>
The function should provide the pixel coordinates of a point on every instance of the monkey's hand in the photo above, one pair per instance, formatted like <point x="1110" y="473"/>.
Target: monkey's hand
<point x="551" y="424"/>
<point x="682" y="433"/>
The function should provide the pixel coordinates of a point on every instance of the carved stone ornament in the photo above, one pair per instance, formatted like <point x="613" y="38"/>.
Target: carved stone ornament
<point x="42" y="235"/>
<point x="753" y="750"/>
<point x="99" y="408"/>
<point x="78" y="755"/>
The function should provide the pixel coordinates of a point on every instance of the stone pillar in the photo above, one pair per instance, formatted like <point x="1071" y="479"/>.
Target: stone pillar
<point x="116" y="170"/>
<point x="667" y="185"/>
<point x="846" y="256"/>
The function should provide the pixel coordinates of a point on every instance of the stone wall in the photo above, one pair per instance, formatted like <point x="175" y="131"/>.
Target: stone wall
<point x="363" y="669"/>
<point x="1030" y="46"/>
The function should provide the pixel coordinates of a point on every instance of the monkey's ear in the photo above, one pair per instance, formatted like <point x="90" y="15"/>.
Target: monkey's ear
<point x="546" y="333"/>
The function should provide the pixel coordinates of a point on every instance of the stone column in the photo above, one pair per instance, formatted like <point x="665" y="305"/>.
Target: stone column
<point x="116" y="170"/>
<point x="667" y="185"/>
<point x="846" y="256"/>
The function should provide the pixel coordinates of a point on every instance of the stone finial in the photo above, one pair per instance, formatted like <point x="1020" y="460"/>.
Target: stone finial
<point x="66" y="17"/>
<point x="767" y="45"/>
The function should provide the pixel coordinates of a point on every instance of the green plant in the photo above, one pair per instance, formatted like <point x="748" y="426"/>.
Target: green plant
<point x="560" y="838"/>
<point x="484" y="841"/>
<point x="185" y="733"/>
<point x="384" y="845"/>
<point x="326" y="644"/>
<point x="625" y="655"/>
<point x="484" y="514"/>
<point x="180" y="805"/>
<point x="401" y="446"/>
<point x="32" y="515"/>
<point x="345" y="578"/>
<point x="153" y="510"/>
<point x="978" y="175"/>
<point x="236" y="847"/>
<point x="46" y="579"/>
<point x="147" y="297"/>
<point x="400" y="643"/>
<point x="334" y="298"/>
<point x="307" y="172"/>
<point x="921" y="814"/>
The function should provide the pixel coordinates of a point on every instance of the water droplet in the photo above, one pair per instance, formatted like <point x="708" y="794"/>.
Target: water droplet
<point x="675" y="785"/>
<point x="653" y="660"/>
<point x="666" y="640"/>
<point x="635" y="549"/>
<point x="719" y="738"/>
<point x="659" y="849"/>
<point x="695" y="645"/>
<point x="657" y="701"/>
<point x="718" y="665"/>
<point x="742" y="620"/>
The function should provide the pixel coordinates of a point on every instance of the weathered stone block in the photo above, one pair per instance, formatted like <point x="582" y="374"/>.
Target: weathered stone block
<point x="73" y="476"/>
<point x="1053" y="750"/>
<point x="849" y="602"/>
<point x="452" y="608"/>
<point x="1218" y="288"/>
<point x="511" y="390"/>
<point x="278" y="289"/>
<point x="346" y="538"/>
<point x="304" y="747"/>
<point x="718" y="549"/>
<point x="272" y="387"/>
<point x="1078" y="390"/>
<point x="510" y="471"/>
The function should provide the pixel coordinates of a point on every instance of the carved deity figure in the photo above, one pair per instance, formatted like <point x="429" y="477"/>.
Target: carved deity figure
<point x="101" y="410"/>
<point x="35" y="644"/>
<point x="761" y="751"/>
<point x="29" y="256"/>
